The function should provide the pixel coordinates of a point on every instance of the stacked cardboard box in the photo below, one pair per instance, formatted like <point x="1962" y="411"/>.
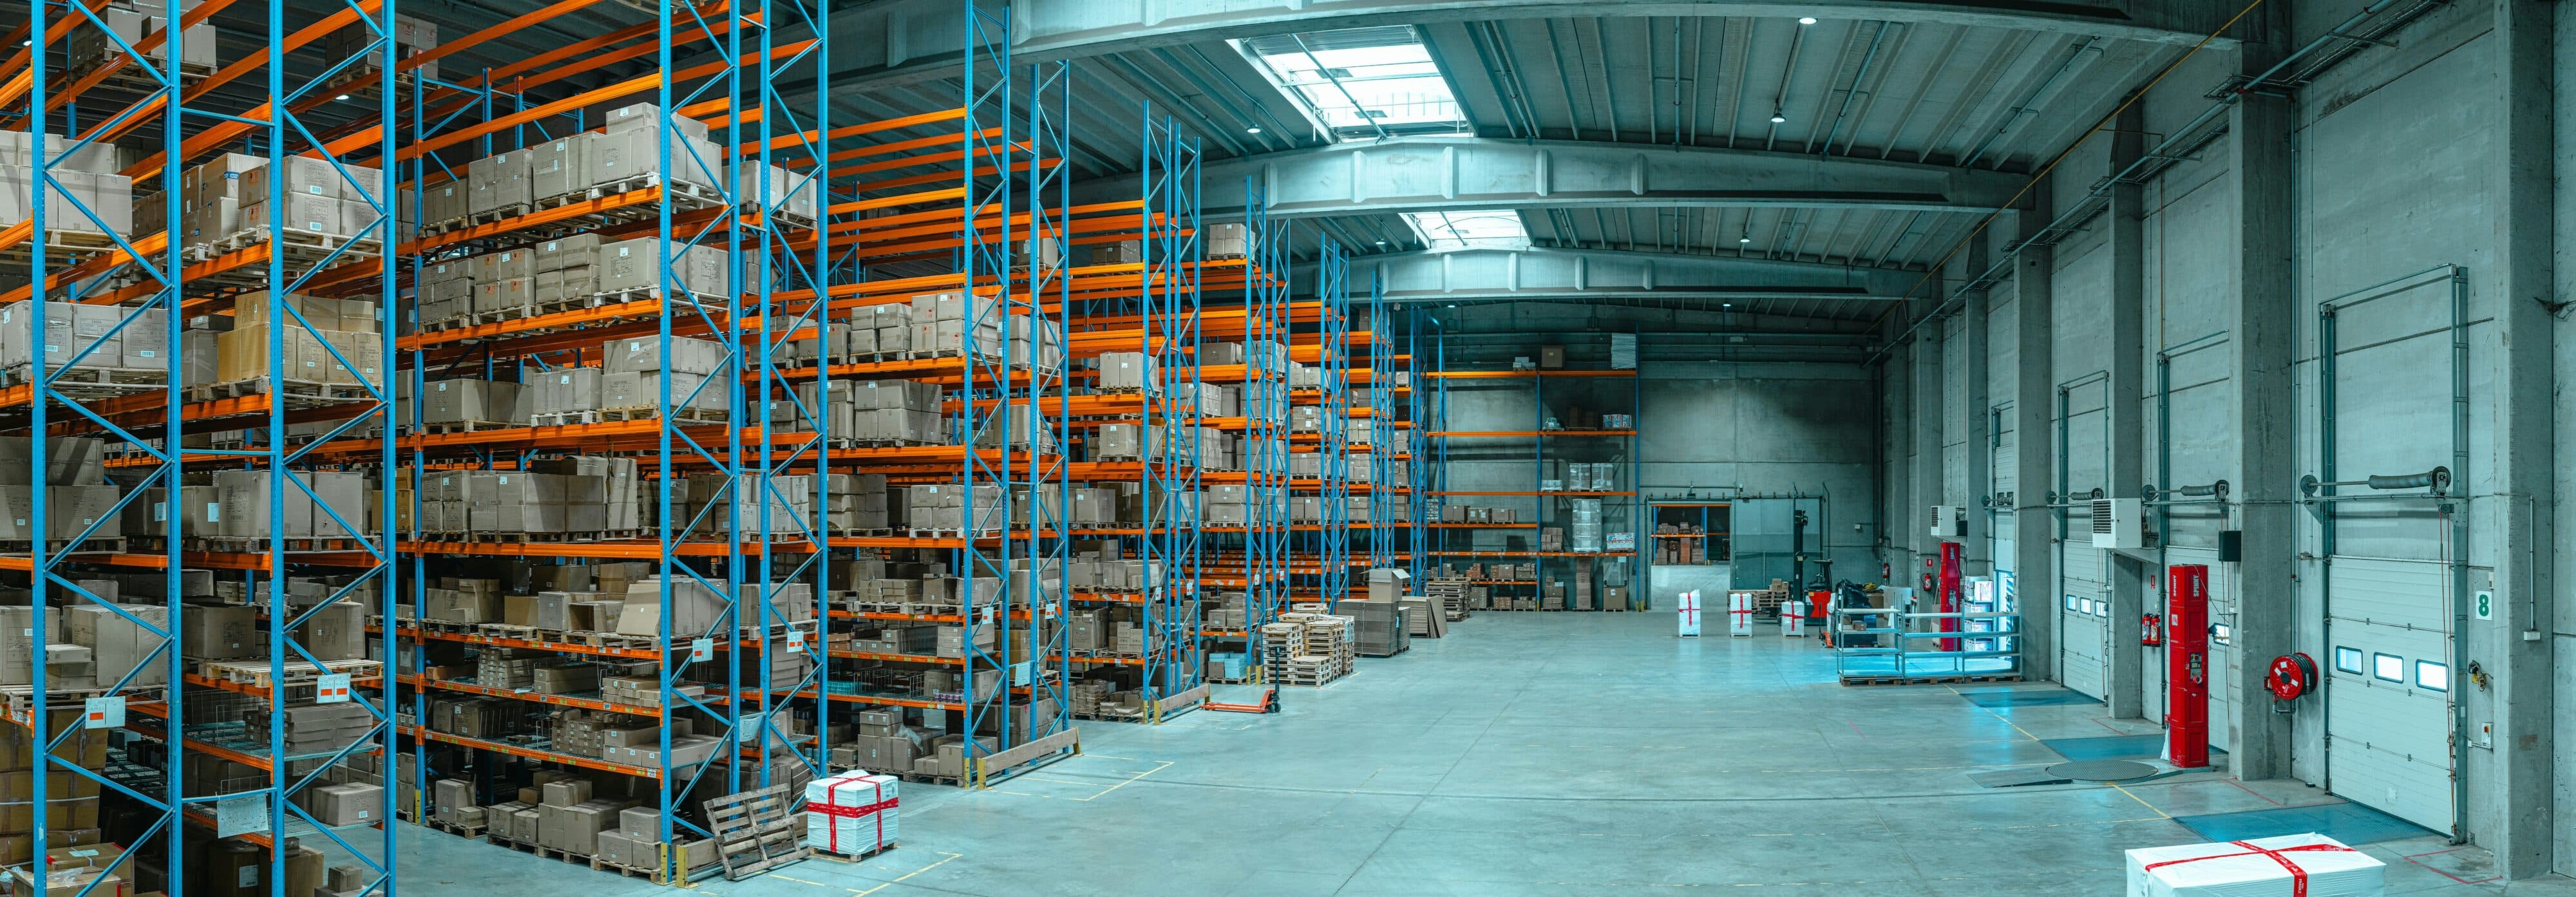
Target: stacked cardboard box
<point x="892" y="326"/>
<point x="318" y="728"/>
<point x="86" y="177"/>
<point x="952" y="508"/>
<point x="100" y="335"/>
<point x="902" y="412"/>
<point x="1381" y="627"/>
<point x="635" y="371"/>
<point x="1128" y="372"/>
<point x="77" y="496"/>
<point x="945" y="324"/>
<point x="249" y="513"/>
<point x="320" y="339"/>
<point x="313" y="196"/>
<point x="90" y="48"/>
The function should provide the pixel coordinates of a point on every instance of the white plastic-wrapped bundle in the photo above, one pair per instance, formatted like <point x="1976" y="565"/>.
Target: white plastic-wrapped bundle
<point x="1587" y="525"/>
<point x="851" y="814"/>
<point x="2312" y="865"/>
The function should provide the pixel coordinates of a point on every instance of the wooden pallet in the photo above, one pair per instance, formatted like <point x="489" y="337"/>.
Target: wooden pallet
<point x="257" y="673"/>
<point x="820" y="853"/>
<point x="469" y="426"/>
<point x="683" y="414"/>
<point x="563" y="418"/>
<point x="461" y="831"/>
<point x="756" y="831"/>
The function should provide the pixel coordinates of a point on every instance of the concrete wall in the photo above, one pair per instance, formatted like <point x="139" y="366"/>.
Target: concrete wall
<point x="2185" y="343"/>
<point x="1756" y="432"/>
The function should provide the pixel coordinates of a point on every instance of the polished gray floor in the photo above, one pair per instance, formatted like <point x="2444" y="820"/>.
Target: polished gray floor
<point x="1537" y="754"/>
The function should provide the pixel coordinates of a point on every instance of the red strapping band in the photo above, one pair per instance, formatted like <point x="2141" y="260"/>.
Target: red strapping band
<point x="2298" y="876"/>
<point x="838" y="811"/>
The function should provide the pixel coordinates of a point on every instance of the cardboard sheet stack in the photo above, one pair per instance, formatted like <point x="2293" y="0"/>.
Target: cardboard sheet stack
<point x="2310" y="864"/>
<point x="851" y="814"/>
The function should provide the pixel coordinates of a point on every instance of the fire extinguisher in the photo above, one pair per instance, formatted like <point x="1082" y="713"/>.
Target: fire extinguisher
<point x="1886" y="572"/>
<point x="2151" y="631"/>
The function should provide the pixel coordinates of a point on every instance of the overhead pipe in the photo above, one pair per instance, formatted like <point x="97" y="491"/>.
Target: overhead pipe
<point x="1857" y="78"/>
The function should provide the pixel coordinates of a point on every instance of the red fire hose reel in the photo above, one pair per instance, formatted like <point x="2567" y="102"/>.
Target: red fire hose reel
<point x="2291" y="677"/>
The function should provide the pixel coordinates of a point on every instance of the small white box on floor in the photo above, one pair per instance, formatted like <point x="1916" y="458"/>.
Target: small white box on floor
<point x="851" y="814"/>
<point x="1793" y="619"/>
<point x="1686" y="612"/>
<point x="1739" y="613"/>
<point x="2311" y="865"/>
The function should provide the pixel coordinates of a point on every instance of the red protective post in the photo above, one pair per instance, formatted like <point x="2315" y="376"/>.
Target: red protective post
<point x="1953" y="567"/>
<point x="2187" y="665"/>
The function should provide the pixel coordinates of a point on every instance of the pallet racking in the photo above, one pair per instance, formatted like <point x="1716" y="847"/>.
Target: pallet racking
<point x="110" y="407"/>
<point x="1544" y="500"/>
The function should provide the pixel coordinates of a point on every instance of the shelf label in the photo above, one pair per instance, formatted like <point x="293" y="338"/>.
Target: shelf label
<point x="702" y="649"/>
<point x="103" y="713"/>
<point x="332" y="688"/>
<point x="2486" y="605"/>
<point x="247" y="815"/>
<point x="795" y="641"/>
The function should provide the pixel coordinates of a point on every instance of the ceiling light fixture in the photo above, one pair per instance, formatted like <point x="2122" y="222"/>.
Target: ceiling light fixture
<point x="1255" y="129"/>
<point x="341" y="97"/>
<point x="1746" y="238"/>
<point x="1806" y="20"/>
<point x="1381" y="242"/>
<point x="1777" y="118"/>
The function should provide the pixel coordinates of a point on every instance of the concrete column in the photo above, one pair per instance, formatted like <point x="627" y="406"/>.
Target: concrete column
<point x="1974" y="353"/>
<point x="1926" y="436"/>
<point x="1896" y="468"/>
<point x="2263" y="342"/>
<point x="2515" y="646"/>
<point x="2035" y="413"/>
<point x="2129" y="574"/>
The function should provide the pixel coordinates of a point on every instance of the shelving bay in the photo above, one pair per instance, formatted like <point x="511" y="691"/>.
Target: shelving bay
<point x="1506" y="543"/>
<point x="213" y="697"/>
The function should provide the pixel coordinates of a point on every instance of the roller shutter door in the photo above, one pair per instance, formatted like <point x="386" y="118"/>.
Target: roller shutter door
<point x="2388" y="681"/>
<point x="2084" y="611"/>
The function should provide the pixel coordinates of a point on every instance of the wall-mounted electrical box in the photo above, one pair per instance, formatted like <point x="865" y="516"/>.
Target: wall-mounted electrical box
<point x="2119" y="523"/>
<point x="1950" y="522"/>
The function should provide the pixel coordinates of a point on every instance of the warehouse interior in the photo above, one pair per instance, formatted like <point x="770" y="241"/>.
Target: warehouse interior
<point x="1370" y="448"/>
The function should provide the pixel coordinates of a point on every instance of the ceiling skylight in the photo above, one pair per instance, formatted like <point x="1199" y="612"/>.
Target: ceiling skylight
<point x="1484" y="228"/>
<point x="1360" y="82"/>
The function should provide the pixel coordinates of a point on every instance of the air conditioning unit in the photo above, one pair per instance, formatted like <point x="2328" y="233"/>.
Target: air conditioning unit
<point x="1950" y="522"/>
<point x="2119" y="523"/>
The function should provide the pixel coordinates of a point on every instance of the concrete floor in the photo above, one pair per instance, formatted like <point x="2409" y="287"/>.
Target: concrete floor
<point x="1535" y="754"/>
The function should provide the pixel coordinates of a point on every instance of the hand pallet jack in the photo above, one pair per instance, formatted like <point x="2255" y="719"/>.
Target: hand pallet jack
<point x="1269" y="703"/>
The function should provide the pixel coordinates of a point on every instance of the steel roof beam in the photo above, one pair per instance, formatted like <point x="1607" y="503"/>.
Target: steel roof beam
<point x="904" y="41"/>
<point x="1415" y="174"/>
<point x="1487" y="275"/>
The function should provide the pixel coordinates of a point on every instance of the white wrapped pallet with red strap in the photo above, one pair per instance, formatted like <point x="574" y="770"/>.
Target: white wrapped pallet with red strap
<point x="2308" y="865"/>
<point x="851" y="814"/>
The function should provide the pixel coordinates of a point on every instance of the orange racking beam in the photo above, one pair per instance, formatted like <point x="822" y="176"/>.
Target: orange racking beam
<point x="611" y="93"/>
<point x="227" y="131"/>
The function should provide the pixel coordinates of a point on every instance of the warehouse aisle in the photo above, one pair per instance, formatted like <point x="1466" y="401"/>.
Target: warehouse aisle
<point x="1535" y="754"/>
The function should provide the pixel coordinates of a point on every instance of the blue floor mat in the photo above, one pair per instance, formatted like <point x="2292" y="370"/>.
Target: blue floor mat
<point x="2009" y="697"/>
<point x="2108" y="747"/>
<point x="2346" y="822"/>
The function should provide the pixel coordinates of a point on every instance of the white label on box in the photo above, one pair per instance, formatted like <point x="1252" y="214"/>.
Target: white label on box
<point x="332" y="688"/>
<point x="160" y="511"/>
<point x="214" y="512"/>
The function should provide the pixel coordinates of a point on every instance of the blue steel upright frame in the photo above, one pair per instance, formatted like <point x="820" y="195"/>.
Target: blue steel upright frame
<point x="1382" y="518"/>
<point x="1416" y="453"/>
<point x="1267" y="542"/>
<point x="121" y="408"/>
<point x="777" y="275"/>
<point x="1333" y="370"/>
<point x="1169" y="330"/>
<point x="1046" y="303"/>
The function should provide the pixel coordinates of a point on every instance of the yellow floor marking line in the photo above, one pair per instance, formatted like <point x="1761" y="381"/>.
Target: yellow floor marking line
<point x="945" y="856"/>
<point x="2115" y="786"/>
